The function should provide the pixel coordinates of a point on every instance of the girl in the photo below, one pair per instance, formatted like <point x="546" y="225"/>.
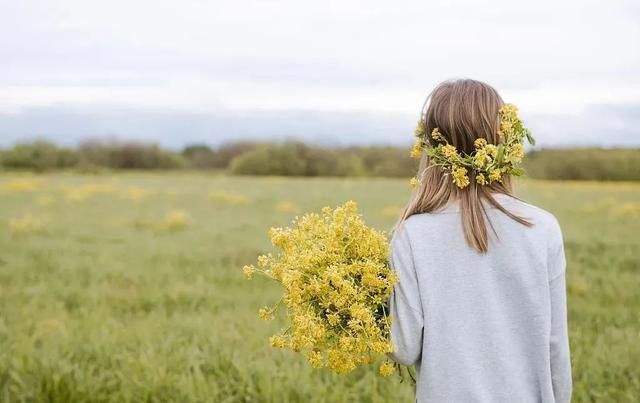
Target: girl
<point x="480" y="309"/>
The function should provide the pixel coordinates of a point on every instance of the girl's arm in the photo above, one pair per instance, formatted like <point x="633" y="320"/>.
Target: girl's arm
<point x="559" y="338"/>
<point x="405" y="306"/>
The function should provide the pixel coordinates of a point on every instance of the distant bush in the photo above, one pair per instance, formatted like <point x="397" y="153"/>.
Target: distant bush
<point x="204" y="157"/>
<point x="197" y="155"/>
<point x="333" y="162"/>
<point x="38" y="156"/>
<point x="614" y="164"/>
<point x="387" y="161"/>
<point x="271" y="159"/>
<point x="297" y="159"/>
<point x="128" y="155"/>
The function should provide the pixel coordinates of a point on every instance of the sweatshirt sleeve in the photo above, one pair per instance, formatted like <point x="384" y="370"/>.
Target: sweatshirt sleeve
<point x="405" y="306"/>
<point x="559" y="338"/>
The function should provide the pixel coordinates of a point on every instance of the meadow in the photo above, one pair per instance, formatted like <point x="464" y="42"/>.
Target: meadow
<point x="128" y="287"/>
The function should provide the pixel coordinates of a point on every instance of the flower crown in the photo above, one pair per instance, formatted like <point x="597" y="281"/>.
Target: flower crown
<point x="488" y="162"/>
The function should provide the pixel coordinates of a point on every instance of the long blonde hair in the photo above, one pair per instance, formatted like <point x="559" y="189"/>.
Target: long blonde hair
<point x="463" y="110"/>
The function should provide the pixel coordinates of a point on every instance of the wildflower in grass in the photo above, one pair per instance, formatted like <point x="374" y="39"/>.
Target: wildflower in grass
<point x="84" y="192"/>
<point x="27" y="224"/>
<point x="48" y="328"/>
<point x="391" y="211"/>
<point x="336" y="281"/>
<point x="606" y="204"/>
<point x="45" y="201"/>
<point x="286" y="207"/>
<point x="387" y="369"/>
<point x="137" y="193"/>
<point x="628" y="209"/>
<point x="232" y="198"/>
<point x="174" y="221"/>
<point x="577" y="286"/>
<point x="414" y="182"/>
<point x="98" y="188"/>
<point x="20" y="185"/>
<point x="76" y="195"/>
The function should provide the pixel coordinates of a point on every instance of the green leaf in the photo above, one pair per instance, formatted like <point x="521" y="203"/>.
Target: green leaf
<point x="530" y="138"/>
<point x="517" y="171"/>
<point x="500" y="155"/>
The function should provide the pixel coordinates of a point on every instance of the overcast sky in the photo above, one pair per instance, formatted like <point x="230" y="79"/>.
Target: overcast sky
<point x="345" y="72"/>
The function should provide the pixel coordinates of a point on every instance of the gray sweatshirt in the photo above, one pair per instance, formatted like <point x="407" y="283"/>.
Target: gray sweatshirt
<point x="482" y="328"/>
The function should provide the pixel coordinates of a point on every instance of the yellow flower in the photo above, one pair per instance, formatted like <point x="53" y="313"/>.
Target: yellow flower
<point x="509" y="112"/>
<point x="265" y="313"/>
<point x="248" y="271"/>
<point x="286" y="207"/>
<point x="491" y="150"/>
<point x="26" y="225"/>
<point x="436" y="135"/>
<point x="516" y="154"/>
<point x="232" y="198"/>
<point x="20" y="185"/>
<point x="333" y="319"/>
<point x="277" y="341"/>
<point x="505" y="128"/>
<point x="460" y="177"/>
<point x="387" y="369"/>
<point x="416" y="151"/>
<point x="481" y="159"/>
<point x="382" y="347"/>
<point x="479" y="143"/>
<point x="340" y="361"/>
<point x="316" y="359"/>
<point x="174" y="220"/>
<point x="449" y="152"/>
<point x="495" y="175"/>
<point x="484" y="159"/>
<point x="136" y="193"/>
<point x="508" y="120"/>
<point x="264" y="260"/>
<point x="414" y="182"/>
<point x="333" y="269"/>
<point x="420" y="129"/>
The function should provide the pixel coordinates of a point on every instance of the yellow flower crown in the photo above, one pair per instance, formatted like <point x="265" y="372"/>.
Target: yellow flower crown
<point x="488" y="162"/>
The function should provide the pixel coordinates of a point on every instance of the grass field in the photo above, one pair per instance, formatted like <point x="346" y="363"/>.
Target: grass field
<point x="128" y="287"/>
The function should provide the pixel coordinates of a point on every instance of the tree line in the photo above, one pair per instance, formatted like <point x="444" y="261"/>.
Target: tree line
<point x="293" y="158"/>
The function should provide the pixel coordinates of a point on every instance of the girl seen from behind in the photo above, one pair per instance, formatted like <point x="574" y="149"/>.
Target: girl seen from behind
<point x="480" y="309"/>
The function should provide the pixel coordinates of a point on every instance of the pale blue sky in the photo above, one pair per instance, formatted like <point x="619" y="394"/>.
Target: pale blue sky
<point x="332" y="72"/>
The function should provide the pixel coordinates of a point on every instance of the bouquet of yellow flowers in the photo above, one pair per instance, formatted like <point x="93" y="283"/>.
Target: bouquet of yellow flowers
<point x="337" y="280"/>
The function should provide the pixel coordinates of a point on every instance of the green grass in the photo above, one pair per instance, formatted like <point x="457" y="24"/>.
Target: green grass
<point x="108" y="302"/>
